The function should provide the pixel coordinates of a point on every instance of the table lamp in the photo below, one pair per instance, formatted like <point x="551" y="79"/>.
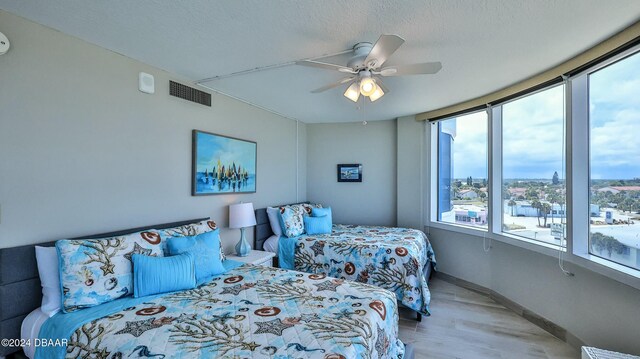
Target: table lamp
<point x="241" y="215"/>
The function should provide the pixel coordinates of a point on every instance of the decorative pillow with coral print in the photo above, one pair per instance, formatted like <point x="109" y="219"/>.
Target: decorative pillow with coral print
<point x="96" y="271"/>
<point x="189" y="230"/>
<point x="291" y="220"/>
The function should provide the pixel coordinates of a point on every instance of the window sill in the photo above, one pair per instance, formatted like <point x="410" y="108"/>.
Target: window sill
<point x="612" y="270"/>
<point x="529" y="244"/>
<point x="474" y="231"/>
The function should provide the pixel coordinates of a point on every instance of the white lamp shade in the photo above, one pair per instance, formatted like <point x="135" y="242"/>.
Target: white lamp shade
<point x="353" y="92"/>
<point x="376" y="94"/>
<point x="241" y="215"/>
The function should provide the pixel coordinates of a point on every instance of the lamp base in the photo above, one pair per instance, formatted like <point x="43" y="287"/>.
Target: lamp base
<point x="243" y="248"/>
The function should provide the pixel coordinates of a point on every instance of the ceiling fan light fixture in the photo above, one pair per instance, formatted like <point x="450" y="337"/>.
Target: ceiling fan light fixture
<point x="367" y="86"/>
<point x="376" y="94"/>
<point x="353" y="92"/>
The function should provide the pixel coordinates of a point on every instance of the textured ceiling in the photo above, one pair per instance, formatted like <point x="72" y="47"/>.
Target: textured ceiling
<point x="483" y="45"/>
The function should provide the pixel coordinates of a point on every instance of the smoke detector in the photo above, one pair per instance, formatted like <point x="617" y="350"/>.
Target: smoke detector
<point x="4" y="44"/>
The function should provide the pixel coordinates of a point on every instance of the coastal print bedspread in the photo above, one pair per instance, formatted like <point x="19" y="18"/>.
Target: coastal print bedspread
<point x="387" y="257"/>
<point x="248" y="312"/>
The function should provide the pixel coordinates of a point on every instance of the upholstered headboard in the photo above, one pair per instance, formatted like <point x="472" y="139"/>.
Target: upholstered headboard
<point x="20" y="290"/>
<point x="263" y="227"/>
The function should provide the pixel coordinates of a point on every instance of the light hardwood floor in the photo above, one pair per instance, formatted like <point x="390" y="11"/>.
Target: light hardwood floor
<point x="466" y="324"/>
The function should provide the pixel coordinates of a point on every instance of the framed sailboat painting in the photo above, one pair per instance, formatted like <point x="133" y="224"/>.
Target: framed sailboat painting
<point x="222" y="164"/>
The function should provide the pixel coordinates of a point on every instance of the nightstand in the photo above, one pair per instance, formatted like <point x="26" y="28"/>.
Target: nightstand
<point x="259" y="258"/>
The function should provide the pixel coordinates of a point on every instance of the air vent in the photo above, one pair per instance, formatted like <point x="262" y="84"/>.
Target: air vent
<point x="189" y="93"/>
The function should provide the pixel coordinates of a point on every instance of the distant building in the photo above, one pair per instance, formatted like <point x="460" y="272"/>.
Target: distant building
<point x="526" y="209"/>
<point x="468" y="194"/>
<point x="618" y="189"/>
<point x="471" y="215"/>
<point x="446" y="137"/>
<point x="520" y="209"/>
<point x="516" y="192"/>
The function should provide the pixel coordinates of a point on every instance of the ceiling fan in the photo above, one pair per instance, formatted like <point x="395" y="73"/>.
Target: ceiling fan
<point x="365" y="68"/>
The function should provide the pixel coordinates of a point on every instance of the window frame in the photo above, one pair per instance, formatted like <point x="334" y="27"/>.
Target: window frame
<point x="433" y="154"/>
<point x="581" y="168"/>
<point x="577" y="177"/>
<point x="498" y="161"/>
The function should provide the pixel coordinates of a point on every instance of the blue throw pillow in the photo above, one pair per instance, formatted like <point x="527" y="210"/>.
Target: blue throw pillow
<point x="154" y="275"/>
<point x="205" y="248"/>
<point x="317" y="225"/>
<point x="321" y="212"/>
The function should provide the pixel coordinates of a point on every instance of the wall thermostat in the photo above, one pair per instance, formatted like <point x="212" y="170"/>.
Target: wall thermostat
<point x="4" y="44"/>
<point x="146" y="83"/>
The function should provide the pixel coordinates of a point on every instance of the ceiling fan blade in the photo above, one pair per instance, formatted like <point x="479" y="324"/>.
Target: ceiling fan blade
<point x="333" y="85"/>
<point x="382" y="86"/>
<point x="426" y="68"/>
<point x="382" y="50"/>
<point x="325" y="65"/>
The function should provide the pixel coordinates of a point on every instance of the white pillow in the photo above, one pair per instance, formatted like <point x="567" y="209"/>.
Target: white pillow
<point x="274" y="220"/>
<point x="47" y="258"/>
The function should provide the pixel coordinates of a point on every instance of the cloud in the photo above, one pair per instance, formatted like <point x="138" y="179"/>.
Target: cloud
<point x="615" y="120"/>
<point x="533" y="135"/>
<point x="532" y="138"/>
<point x="470" y="146"/>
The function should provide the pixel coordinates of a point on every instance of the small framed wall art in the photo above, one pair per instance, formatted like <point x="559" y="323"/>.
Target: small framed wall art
<point x="350" y="172"/>
<point x="222" y="164"/>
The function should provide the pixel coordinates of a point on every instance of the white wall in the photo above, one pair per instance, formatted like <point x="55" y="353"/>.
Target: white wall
<point x="371" y="202"/>
<point x="82" y="151"/>
<point x="409" y="159"/>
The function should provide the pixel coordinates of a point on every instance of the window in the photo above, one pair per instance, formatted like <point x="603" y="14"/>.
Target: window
<point x="614" y="162"/>
<point x="531" y="147"/>
<point x="533" y="188"/>
<point x="462" y="170"/>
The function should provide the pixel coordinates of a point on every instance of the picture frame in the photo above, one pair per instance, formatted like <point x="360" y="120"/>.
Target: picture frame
<point x="222" y="164"/>
<point x="350" y="172"/>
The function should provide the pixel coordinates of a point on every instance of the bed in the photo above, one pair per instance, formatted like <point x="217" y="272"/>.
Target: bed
<point x="398" y="259"/>
<point x="249" y="311"/>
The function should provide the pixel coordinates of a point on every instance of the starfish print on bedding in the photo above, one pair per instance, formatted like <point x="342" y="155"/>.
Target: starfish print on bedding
<point x="274" y="327"/>
<point x="318" y="248"/>
<point x="221" y="318"/>
<point x="328" y="285"/>
<point x="250" y="346"/>
<point x="107" y="268"/>
<point x="138" y="249"/>
<point x="411" y="266"/>
<point x="137" y="328"/>
<point x="234" y="289"/>
<point x="385" y="263"/>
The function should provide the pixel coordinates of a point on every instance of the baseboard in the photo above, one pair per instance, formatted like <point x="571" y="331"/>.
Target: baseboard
<point x="462" y="283"/>
<point x="549" y="326"/>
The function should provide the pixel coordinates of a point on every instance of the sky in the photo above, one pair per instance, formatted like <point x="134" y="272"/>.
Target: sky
<point x="533" y="135"/>
<point x="533" y="138"/>
<point x="615" y="120"/>
<point x="470" y="146"/>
